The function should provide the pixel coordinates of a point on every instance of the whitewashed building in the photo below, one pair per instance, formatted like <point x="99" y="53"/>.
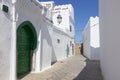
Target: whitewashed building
<point x="26" y="44"/>
<point x="91" y="39"/>
<point x="62" y="45"/>
<point x="27" y="38"/>
<point x="109" y="38"/>
<point x="66" y="13"/>
<point x="63" y="18"/>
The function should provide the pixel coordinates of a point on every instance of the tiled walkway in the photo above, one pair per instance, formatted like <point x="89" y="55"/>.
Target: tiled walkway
<point x="73" y="68"/>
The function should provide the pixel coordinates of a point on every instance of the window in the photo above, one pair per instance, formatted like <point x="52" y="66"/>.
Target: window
<point x="5" y="8"/>
<point x="58" y="40"/>
<point x="70" y="28"/>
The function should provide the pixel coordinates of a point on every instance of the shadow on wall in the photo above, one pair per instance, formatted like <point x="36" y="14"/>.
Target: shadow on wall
<point x="53" y="56"/>
<point x="48" y="37"/>
<point x="95" y="53"/>
<point x="91" y="71"/>
<point x="81" y="50"/>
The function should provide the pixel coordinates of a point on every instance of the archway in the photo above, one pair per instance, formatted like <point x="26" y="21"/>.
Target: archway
<point x="26" y="44"/>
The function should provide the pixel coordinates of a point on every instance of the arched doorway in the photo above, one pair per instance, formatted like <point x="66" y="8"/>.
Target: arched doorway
<point x="26" y="43"/>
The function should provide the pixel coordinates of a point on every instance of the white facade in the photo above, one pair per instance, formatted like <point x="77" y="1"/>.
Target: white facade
<point x="9" y="23"/>
<point x="67" y="14"/>
<point x="64" y="33"/>
<point x="109" y="37"/>
<point x="29" y="13"/>
<point x="63" y="45"/>
<point x="91" y="40"/>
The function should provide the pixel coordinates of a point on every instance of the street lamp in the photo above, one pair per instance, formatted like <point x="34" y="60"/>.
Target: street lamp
<point x="59" y="19"/>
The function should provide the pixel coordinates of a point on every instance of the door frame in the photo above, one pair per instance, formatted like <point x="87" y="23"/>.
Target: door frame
<point x="30" y="25"/>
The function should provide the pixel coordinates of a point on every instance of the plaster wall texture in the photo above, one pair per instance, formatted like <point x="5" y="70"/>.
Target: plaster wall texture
<point x="67" y="14"/>
<point x="60" y="47"/>
<point x="86" y="40"/>
<point x="63" y="32"/>
<point x="91" y="40"/>
<point x="5" y="43"/>
<point x="95" y="38"/>
<point x="109" y="31"/>
<point x="30" y="10"/>
<point x="49" y="6"/>
<point x="23" y="10"/>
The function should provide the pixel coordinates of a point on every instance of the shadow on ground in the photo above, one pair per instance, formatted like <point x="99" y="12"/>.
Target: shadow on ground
<point x="92" y="71"/>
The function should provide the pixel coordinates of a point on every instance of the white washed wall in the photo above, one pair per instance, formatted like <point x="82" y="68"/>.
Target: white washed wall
<point x="110" y="39"/>
<point x="5" y="42"/>
<point x="28" y="11"/>
<point x="95" y="39"/>
<point x="25" y="10"/>
<point x="60" y="49"/>
<point x="63" y="32"/>
<point x="67" y="14"/>
<point x="65" y="19"/>
<point x="91" y="41"/>
<point x="86" y="41"/>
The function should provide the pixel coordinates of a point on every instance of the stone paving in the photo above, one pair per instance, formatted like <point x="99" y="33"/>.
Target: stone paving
<point x="73" y="68"/>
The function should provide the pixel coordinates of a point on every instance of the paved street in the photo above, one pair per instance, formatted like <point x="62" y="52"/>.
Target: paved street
<point x="73" y="68"/>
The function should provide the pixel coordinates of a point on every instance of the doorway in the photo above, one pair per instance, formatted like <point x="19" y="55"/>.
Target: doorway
<point x="26" y="44"/>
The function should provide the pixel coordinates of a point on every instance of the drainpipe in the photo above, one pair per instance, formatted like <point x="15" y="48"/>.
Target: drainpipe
<point x="13" y="75"/>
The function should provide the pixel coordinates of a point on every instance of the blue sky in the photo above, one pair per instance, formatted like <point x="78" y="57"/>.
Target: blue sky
<point x="83" y="10"/>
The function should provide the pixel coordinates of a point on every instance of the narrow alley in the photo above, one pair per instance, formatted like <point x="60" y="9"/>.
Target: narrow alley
<point x="73" y="68"/>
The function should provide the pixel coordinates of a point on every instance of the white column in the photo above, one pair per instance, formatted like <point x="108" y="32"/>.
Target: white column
<point x="38" y="55"/>
<point x="13" y="75"/>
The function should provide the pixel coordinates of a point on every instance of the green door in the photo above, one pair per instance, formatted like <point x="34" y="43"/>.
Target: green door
<point x="25" y="44"/>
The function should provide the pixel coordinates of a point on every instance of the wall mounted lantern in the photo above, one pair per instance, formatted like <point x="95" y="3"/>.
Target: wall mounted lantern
<point x="59" y="18"/>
